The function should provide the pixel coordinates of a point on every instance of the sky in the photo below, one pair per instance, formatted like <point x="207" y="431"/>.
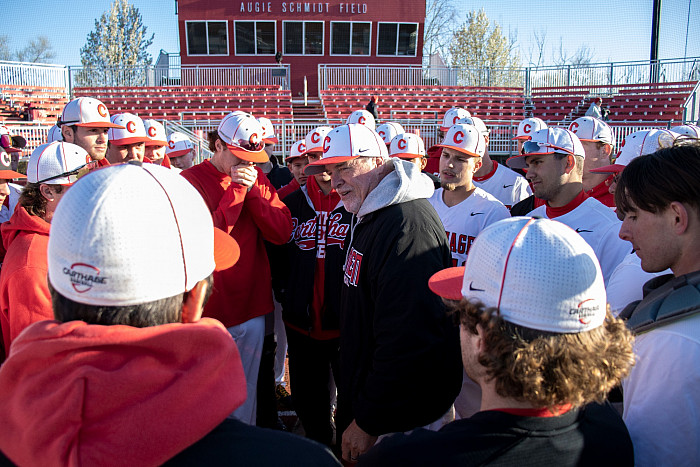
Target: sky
<point x="613" y="30"/>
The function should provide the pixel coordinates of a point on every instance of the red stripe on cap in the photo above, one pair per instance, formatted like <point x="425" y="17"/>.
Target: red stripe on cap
<point x="505" y="268"/>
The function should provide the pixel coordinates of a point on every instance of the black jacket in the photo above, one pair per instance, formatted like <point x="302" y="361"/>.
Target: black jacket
<point x="301" y="261"/>
<point x="400" y="361"/>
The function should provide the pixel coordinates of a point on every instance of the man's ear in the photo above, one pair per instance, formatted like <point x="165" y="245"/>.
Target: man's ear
<point x="219" y="145"/>
<point x="47" y="192"/>
<point x="570" y="164"/>
<point x="193" y="305"/>
<point x="67" y="133"/>
<point x="679" y="216"/>
<point x="423" y="163"/>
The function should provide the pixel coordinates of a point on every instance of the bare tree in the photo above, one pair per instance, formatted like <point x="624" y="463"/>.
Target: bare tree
<point x="535" y="56"/>
<point x="5" y="53"/>
<point x="583" y="55"/>
<point x="38" y="50"/>
<point x="116" y="51"/>
<point x="440" y="21"/>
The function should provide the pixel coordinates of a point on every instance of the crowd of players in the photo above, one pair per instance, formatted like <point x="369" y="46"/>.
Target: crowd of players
<point x="436" y="307"/>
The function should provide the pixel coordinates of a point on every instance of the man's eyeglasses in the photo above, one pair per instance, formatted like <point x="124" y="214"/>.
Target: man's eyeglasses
<point x="75" y="174"/>
<point x="530" y="147"/>
<point x="250" y="146"/>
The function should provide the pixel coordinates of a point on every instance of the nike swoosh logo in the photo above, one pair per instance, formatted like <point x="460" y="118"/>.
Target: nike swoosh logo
<point x="506" y="186"/>
<point x="475" y="213"/>
<point x="471" y="287"/>
<point x="363" y="150"/>
<point x="583" y="230"/>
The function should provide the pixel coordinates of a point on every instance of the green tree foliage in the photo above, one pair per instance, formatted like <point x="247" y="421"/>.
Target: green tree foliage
<point x="483" y="54"/>
<point x="116" y="51"/>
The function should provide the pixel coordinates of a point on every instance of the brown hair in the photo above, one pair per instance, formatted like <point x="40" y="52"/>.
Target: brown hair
<point x="212" y="137"/>
<point x="549" y="369"/>
<point x="654" y="181"/>
<point x="33" y="201"/>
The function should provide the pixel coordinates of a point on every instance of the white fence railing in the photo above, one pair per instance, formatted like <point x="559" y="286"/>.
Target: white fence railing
<point x="691" y="108"/>
<point x="34" y="74"/>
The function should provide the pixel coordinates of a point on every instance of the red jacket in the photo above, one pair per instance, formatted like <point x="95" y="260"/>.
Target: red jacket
<point x="243" y="291"/>
<point x="602" y="194"/>
<point x="433" y="165"/>
<point x="288" y="189"/>
<point x="24" y="291"/>
<point x="78" y="394"/>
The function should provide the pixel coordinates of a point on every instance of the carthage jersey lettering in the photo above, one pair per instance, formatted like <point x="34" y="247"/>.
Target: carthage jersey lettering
<point x="324" y="231"/>
<point x="464" y="221"/>
<point x="505" y="185"/>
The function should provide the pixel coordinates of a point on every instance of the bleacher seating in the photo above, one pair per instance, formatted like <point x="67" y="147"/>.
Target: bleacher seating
<point x="194" y="102"/>
<point x="491" y="104"/>
<point x="36" y="103"/>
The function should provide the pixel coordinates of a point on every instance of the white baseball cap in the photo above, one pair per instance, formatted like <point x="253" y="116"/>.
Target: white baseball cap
<point x="548" y="141"/>
<point x="466" y="139"/>
<point x="54" y="134"/>
<point x="243" y="135"/>
<point x="298" y="149"/>
<point x="348" y="142"/>
<point x="268" y="135"/>
<point x="155" y="132"/>
<point x="638" y="144"/>
<point x="592" y="129"/>
<point x="363" y="118"/>
<point x="528" y="126"/>
<point x="688" y="130"/>
<point x="452" y="116"/>
<point x="539" y="274"/>
<point x="86" y="111"/>
<point x="477" y="122"/>
<point x="129" y="130"/>
<point x="93" y="257"/>
<point x="178" y="145"/>
<point x="314" y="139"/>
<point x="58" y="163"/>
<point x="388" y="130"/>
<point x="407" y="146"/>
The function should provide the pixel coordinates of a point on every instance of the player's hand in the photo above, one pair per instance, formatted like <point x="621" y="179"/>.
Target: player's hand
<point x="244" y="174"/>
<point x="356" y="442"/>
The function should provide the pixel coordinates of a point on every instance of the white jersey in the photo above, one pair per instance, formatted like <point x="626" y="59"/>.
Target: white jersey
<point x="15" y="191"/>
<point x="505" y="185"/>
<point x="465" y="220"/>
<point x="599" y="226"/>
<point x="626" y="282"/>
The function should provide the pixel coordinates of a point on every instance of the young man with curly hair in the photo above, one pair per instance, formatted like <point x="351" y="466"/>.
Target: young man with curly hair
<point x="538" y="339"/>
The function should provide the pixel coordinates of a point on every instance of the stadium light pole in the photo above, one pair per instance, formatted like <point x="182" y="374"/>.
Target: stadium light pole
<point x="654" y="58"/>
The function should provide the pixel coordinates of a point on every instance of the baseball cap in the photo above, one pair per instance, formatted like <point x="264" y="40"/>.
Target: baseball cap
<point x="10" y="142"/>
<point x="539" y="273"/>
<point x="58" y="163"/>
<point x="314" y="139"/>
<point x="548" y="141"/>
<point x="476" y="122"/>
<point x="54" y="134"/>
<point x="592" y="129"/>
<point x="92" y="255"/>
<point x="298" y="149"/>
<point x="407" y="146"/>
<point x="528" y="126"/>
<point x="688" y="130"/>
<point x="129" y="129"/>
<point x="452" y="116"/>
<point x="388" y="130"/>
<point x="178" y="145"/>
<point x="6" y="172"/>
<point x="466" y="139"/>
<point x="638" y="144"/>
<point x="268" y="134"/>
<point x="348" y="142"/>
<point x="363" y="118"/>
<point x="242" y="134"/>
<point x="86" y="111"/>
<point x="155" y="132"/>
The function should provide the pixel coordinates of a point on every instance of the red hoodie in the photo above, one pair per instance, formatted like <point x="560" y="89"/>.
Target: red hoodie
<point x="602" y="193"/>
<point x="24" y="292"/>
<point x="244" y="291"/>
<point x="77" y="394"/>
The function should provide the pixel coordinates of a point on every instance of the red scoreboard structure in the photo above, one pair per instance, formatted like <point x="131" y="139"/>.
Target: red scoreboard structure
<point x="226" y="32"/>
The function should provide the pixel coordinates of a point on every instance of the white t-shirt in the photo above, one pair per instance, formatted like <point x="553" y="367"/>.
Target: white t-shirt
<point x="599" y="226"/>
<point x="626" y="282"/>
<point x="506" y="186"/>
<point x="15" y="191"/>
<point x="465" y="220"/>
<point x="662" y="395"/>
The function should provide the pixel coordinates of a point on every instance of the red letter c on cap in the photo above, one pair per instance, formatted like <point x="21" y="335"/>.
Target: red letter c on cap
<point x="361" y="120"/>
<point x="151" y="131"/>
<point x="301" y="147"/>
<point x="458" y="137"/>
<point x="131" y="127"/>
<point x="171" y="144"/>
<point x="326" y="143"/>
<point x="527" y="128"/>
<point x="401" y="144"/>
<point x="574" y="127"/>
<point x="102" y="110"/>
<point x="315" y="137"/>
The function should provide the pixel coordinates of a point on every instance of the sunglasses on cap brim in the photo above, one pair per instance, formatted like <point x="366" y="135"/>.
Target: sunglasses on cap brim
<point x="75" y="174"/>
<point x="248" y="146"/>
<point x="10" y="143"/>
<point x="532" y="147"/>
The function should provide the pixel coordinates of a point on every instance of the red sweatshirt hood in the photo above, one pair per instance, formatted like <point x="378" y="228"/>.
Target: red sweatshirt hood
<point x="22" y="222"/>
<point x="79" y="394"/>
